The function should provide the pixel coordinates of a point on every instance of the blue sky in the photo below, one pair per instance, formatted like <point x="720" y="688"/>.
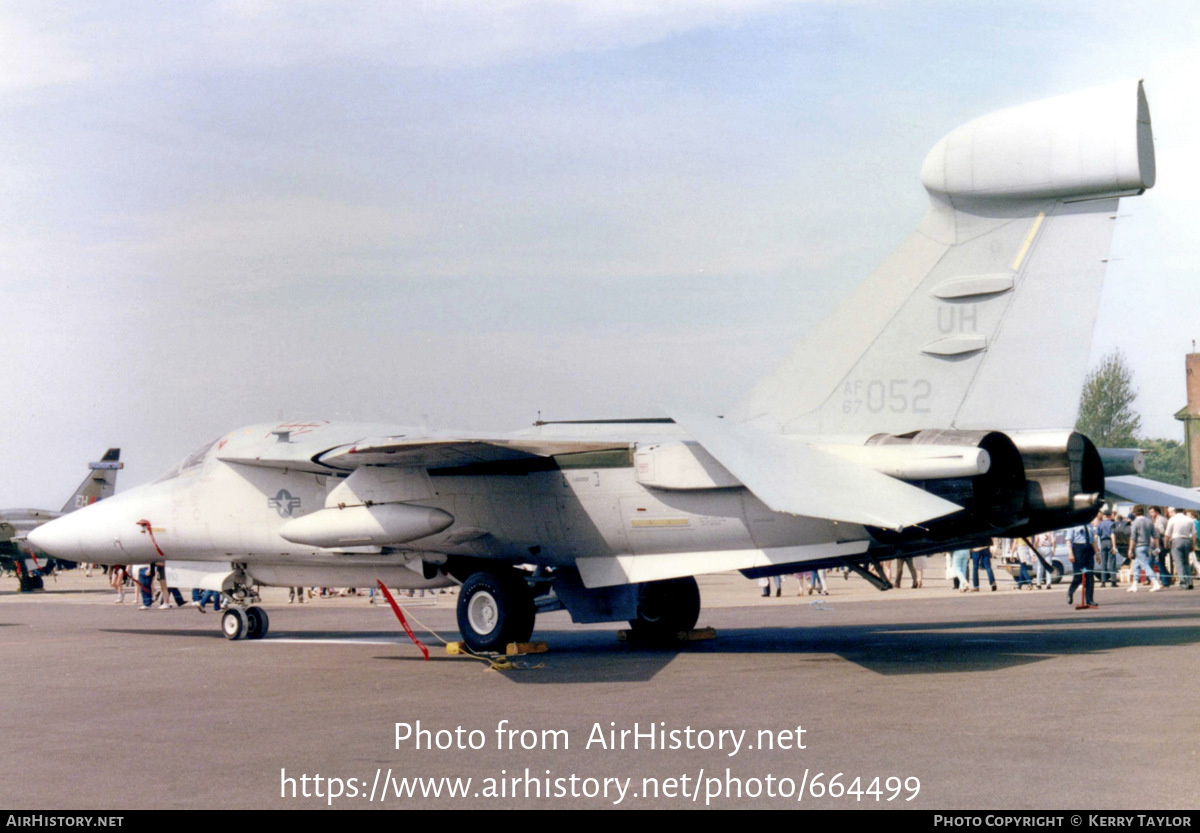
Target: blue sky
<point x="216" y="213"/>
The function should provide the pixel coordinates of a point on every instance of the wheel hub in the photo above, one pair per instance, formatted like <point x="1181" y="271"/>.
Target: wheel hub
<point x="233" y="624"/>
<point x="483" y="613"/>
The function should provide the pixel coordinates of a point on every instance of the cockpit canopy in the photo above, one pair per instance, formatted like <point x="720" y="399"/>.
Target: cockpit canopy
<point x="192" y="461"/>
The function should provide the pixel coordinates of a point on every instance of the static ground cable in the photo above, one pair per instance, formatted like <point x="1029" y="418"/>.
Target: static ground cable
<point x="387" y="594"/>
<point x="494" y="662"/>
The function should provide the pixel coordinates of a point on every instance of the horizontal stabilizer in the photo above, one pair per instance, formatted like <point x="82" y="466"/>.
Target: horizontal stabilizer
<point x="1122" y="461"/>
<point x="790" y="476"/>
<point x="1151" y="492"/>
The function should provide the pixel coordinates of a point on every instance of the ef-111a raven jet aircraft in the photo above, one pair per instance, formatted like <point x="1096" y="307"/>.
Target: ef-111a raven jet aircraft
<point x="16" y="524"/>
<point x="932" y="410"/>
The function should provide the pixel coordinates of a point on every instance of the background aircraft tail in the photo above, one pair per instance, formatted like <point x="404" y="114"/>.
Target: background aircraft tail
<point x="100" y="483"/>
<point x="983" y="317"/>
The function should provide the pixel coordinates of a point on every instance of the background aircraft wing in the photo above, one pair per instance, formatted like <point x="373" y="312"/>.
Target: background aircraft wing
<point x="790" y="476"/>
<point x="1151" y="492"/>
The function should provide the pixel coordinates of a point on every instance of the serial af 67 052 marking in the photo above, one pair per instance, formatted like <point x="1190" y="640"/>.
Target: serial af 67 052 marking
<point x="898" y="396"/>
<point x="893" y="429"/>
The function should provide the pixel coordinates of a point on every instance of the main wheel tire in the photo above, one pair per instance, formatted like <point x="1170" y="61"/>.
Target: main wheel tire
<point x="234" y="623"/>
<point x="495" y="609"/>
<point x="666" y="608"/>
<point x="257" y="623"/>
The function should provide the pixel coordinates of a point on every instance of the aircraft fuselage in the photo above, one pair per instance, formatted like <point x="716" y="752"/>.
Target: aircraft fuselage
<point x="546" y="511"/>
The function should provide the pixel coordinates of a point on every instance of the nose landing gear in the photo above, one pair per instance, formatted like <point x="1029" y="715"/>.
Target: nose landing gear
<point x="243" y="619"/>
<point x="245" y="623"/>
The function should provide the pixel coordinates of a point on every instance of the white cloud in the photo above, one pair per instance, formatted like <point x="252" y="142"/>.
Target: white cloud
<point x="55" y="44"/>
<point x="264" y="243"/>
<point x="454" y="32"/>
<point x="37" y="50"/>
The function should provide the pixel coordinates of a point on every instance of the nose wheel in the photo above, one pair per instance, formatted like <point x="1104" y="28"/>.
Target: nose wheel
<point x="248" y="623"/>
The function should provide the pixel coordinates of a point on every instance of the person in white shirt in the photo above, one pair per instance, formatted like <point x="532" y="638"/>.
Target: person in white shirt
<point x="1179" y="535"/>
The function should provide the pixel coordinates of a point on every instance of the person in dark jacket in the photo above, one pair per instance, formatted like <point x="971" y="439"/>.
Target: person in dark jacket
<point x="1083" y="556"/>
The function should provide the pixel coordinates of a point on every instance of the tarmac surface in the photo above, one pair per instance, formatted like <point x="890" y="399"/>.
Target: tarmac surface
<point x="992" y="700"/>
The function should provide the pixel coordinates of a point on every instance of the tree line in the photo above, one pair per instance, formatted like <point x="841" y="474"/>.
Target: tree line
<point x="1107" y="418"/>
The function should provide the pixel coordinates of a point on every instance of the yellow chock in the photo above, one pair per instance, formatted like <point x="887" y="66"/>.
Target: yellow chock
<point x="456" y="648"/>
<point x="515" y="648"/>
<point x="695" y="635"/>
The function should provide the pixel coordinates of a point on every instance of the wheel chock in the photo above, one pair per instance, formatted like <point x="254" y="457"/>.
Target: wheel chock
<point x="694" y="635"/>
<point x="515" y="648"/>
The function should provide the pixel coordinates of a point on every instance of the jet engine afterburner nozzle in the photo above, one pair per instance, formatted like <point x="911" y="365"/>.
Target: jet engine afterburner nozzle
<point x="1065" y="477"/>
<point x="994" y="497"/>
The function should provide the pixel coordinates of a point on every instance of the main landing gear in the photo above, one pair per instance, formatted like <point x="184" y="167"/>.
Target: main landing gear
<point x="494" y="609"/>
<point x="498" y="606"/>
<point x="666" y="608"/>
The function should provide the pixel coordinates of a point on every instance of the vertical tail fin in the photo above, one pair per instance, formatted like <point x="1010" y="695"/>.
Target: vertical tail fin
<point x="100" y="483"/>
<point x="983" y="317"/>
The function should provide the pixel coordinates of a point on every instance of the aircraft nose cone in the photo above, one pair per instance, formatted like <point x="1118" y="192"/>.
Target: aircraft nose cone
<point x="87" y="534"/>
<point x="59" y="538"/>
